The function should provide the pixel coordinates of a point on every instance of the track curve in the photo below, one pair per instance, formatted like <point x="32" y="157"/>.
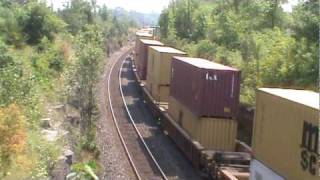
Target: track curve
<point x="141" y="159"/>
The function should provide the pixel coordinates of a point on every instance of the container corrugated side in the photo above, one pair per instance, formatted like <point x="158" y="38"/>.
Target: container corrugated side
<point x="206" y="92"/>
<point x="150" y="70"/>
<point x="278" y="134"/>
<point x="159" y="73"/>
<point x="152" y="55"/>
<point x="160" y="93"/>
<point x="139" y="36"/>
<point x="212" y="133"/>
<point x="142" y="61"/>
<point x="163" y="66"/>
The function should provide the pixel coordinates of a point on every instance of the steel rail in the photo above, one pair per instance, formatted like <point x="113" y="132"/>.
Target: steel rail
<point x="116" y="124"/>
<point x="135" y="127"/>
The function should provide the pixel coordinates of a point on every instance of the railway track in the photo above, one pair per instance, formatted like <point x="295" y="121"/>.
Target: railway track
<point x="141" y="159"/>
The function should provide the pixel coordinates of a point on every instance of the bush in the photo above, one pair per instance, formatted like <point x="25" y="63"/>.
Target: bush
<point x="13" y="86"/>
<point x="13" y="136"/>
<point x="5" y="58"/>
<point x="56" y="61"/>
<point x="205" y="49"/>
<point x="83" y="171"/>
<point x="39" y="21"/>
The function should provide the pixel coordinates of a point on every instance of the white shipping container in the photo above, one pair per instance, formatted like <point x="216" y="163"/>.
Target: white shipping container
<point x="259" y="171"/>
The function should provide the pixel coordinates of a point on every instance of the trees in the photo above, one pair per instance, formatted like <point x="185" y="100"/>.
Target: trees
<point x="89" y="54"/>
<point x="77" y="13"/>
<point x="305" y="29"/>
<point x="10" y="31"/>
<point x="5" y="58"/>
<point x="40" y="50"/>
<point x="306" y="21"/>
<point x="164" y="23"/>
<point x="104" y="13"/>
<point x="200" y="24"/>
<point x="38" y="22"/>
<point x="13" y="86"/>
<point x="271" y="47"/>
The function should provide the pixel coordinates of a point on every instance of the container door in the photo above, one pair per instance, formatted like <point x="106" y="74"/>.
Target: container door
<point x="198" y="92"/>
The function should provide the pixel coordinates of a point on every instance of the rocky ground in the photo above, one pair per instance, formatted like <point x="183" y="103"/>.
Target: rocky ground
<point x="115" y="164"/>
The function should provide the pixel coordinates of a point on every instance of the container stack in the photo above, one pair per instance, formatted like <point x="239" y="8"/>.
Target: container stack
<point x="204" y="100"/>
<point x="144" y="35"/>
<point x="142" y="56"/>
<point x="141" y="34"/>
<point x="149" y="30"/>
<point x="286" y="135"/>
<point x="159" y="71"/>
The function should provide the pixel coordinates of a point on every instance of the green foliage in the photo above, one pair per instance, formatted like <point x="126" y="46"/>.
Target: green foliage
<point x="10" y="30"/>
<point x="44" y="158"/>
<point x="164" y="23"/>
<point x="83" y="171"/>
<point x="5" y="58"/>
<point x="104" y="13"/>
<point x="205" y="49"/>
<point x="305" y="71"/>
<point x="306" y="21"/>
<point x="13" y="136"/>
<point x="39" y="21"/>
<point x="89" y="53"/>
<point x="199" y="21"/>
<point x="270" y="46"/>
<point x="38" y="57"/>
<point x="13" y="86"/>
<point x="225" y="28"/>
<point x="77" y="14"/>
<point x="183" y="18"/>
<point x="275" y="47"/>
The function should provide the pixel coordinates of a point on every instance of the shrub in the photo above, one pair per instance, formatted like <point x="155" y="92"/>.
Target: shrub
<point x="13" y="135"/>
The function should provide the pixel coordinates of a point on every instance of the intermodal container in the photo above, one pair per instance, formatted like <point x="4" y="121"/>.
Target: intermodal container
<point x="208" y="89"/>
<point x="159" y="71"/>
<point x="285" y="139"/>
<point x="212" y="133"/>
<point x="143" y="35"/>
<point x="140" y="35"/>
<point x="142" y="54"/>
<point x="149" y="30"/>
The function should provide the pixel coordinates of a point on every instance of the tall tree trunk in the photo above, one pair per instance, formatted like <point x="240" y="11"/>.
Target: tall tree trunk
<point x="236" y="4"/>
<point x="275" y="4"/>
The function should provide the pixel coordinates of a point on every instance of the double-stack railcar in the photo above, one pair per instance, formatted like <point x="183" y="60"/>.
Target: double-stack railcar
<point x="141" y="34"/>
<point x="196" y="102"/>
<point x="285" y="142"/>
<point x="231" y="160"/>
<point x="204" y="131"/>
<point x="159" y="71"/>
<point x="142" y="52"/>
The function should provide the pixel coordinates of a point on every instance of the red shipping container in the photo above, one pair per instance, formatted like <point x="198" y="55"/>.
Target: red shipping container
<point x="142" y="61"/>
<point x="208" y="89"/>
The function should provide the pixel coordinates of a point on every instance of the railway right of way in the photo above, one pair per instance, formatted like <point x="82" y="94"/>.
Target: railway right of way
<point x="128" y="135"/>
<point x="151" y="154"/>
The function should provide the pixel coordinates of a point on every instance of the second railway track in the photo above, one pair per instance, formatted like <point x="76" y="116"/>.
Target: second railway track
<point x="143" y="163"/>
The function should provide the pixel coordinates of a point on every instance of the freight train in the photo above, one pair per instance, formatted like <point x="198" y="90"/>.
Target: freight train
<point x="219" y="158"/>
<point x="196" y="103"/>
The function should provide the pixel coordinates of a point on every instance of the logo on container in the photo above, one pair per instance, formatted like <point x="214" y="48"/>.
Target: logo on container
<point x="213" y="77"/>
<point x="309" y="148"/>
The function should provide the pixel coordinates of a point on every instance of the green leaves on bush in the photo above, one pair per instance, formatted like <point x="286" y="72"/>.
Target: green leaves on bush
<point x="270" y="46"/>
<point x="83" y="171"/>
